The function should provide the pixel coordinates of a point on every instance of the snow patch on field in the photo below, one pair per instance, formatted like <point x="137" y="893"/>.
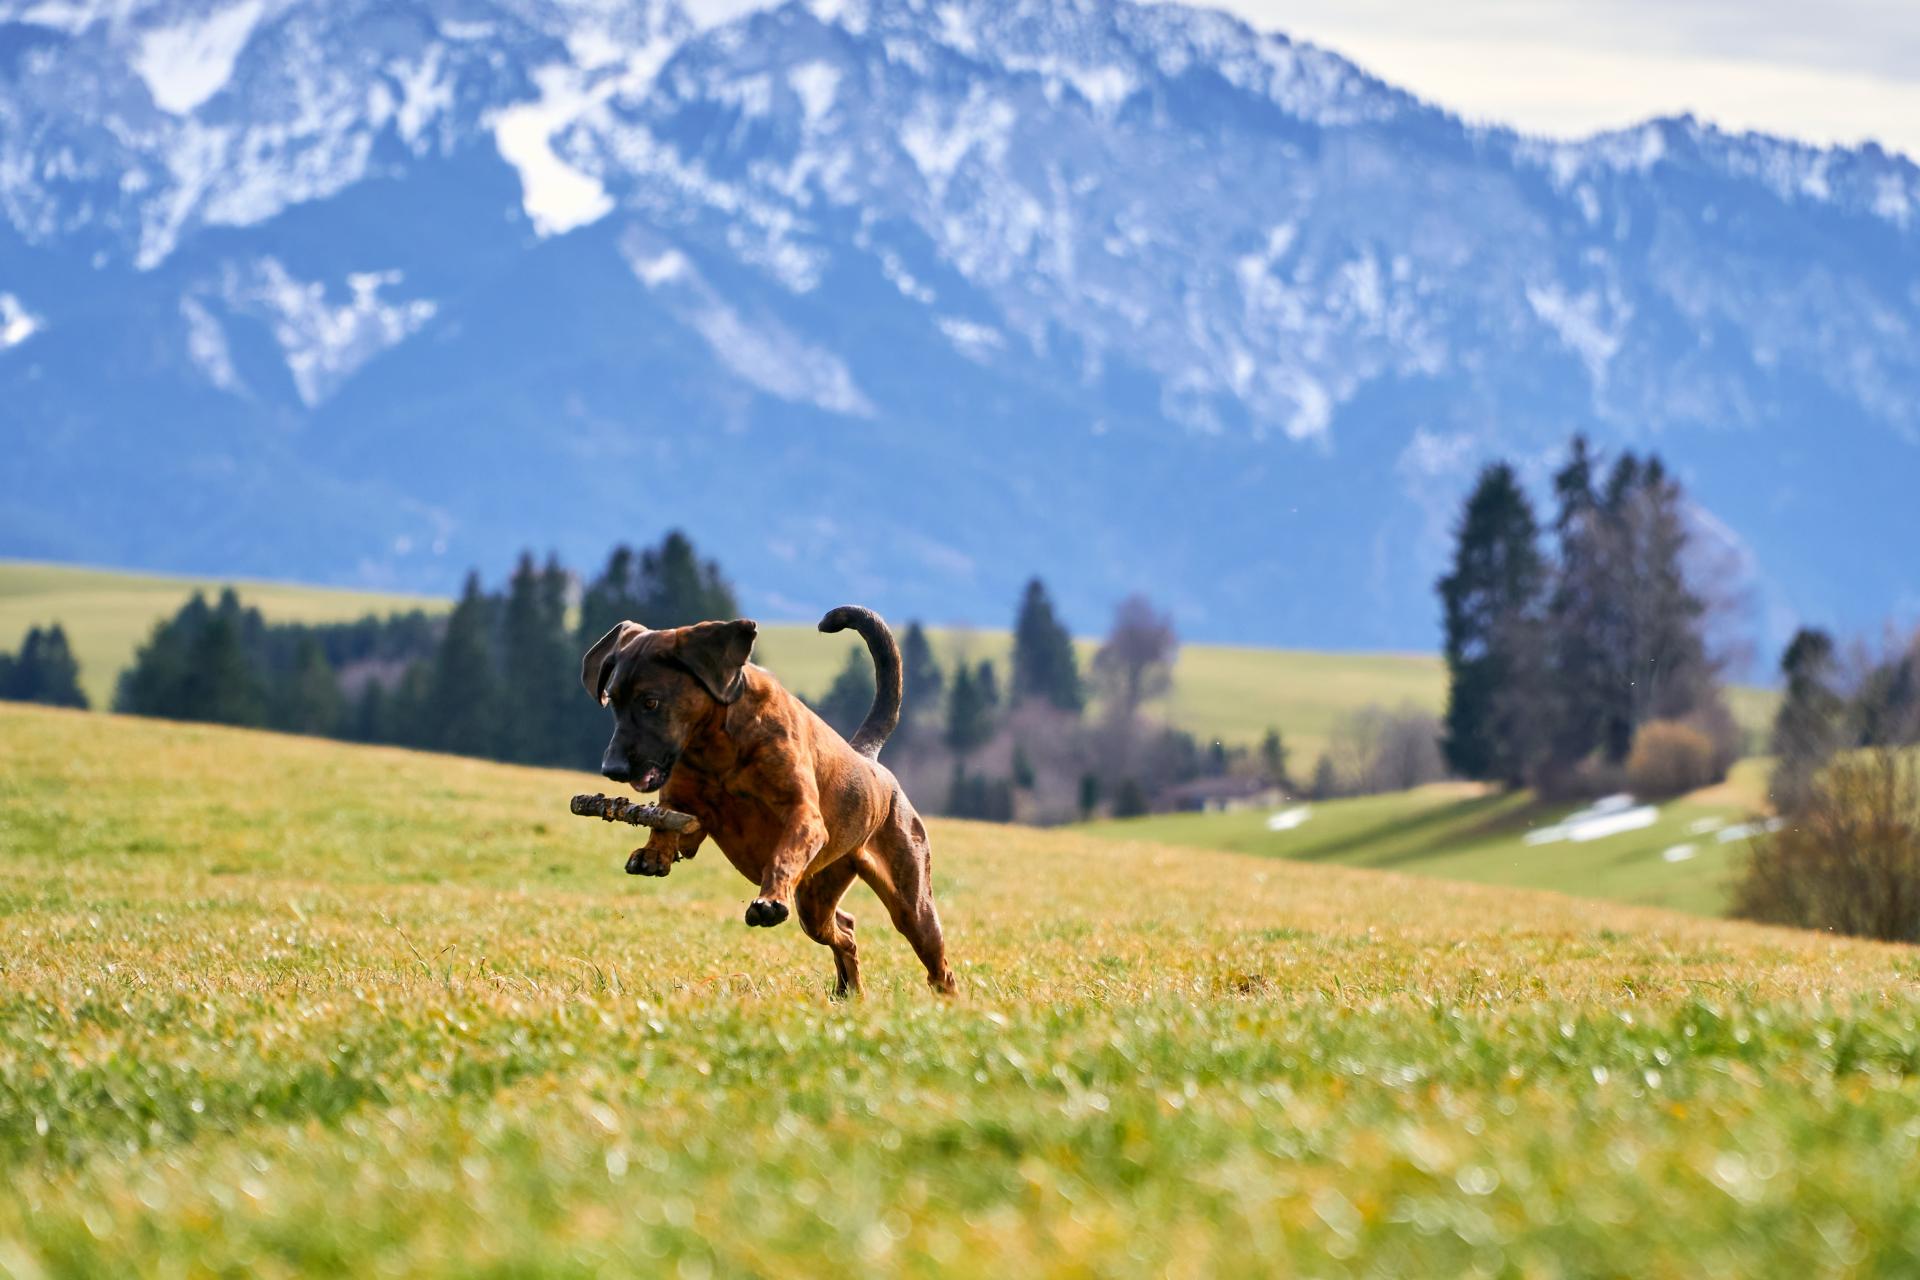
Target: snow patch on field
<point x="1611" y="816"/>
<point x="1288" y="819"/>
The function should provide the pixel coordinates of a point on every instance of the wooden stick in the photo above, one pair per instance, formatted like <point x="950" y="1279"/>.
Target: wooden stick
<point x="621" y="809"/>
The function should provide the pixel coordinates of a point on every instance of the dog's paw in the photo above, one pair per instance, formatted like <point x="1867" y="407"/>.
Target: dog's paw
<point x="649" y="861"/>
<point x="765" y="913"/>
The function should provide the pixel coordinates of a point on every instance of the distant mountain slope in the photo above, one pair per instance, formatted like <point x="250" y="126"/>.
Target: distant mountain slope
<point x="901" y="303"/>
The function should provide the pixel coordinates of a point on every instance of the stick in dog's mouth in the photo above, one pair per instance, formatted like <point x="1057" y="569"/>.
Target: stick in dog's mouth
<point x="620" y="809"/>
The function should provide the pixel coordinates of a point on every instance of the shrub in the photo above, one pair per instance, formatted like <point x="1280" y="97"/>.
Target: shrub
<point x="1670" y="758"/>
<point x="1850" y="861"/>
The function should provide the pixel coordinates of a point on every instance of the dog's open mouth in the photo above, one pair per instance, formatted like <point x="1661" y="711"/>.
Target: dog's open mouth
<point x="651" y="778"/>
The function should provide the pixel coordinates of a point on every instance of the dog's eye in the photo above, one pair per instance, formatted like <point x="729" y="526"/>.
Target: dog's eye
<point x="650" y="704"/>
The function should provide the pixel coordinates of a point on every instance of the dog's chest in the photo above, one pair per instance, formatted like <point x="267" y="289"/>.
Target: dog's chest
<point x="735" y="823"/>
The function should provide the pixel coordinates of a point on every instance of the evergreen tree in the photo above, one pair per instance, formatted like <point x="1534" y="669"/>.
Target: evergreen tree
<point x="45" y="670"/>
<point x="369" y="721"/>
<point x="1578" y="621"/>
<point x="1273" y="759"/>
<point x="462" y="711"/>
<point x="1021" y="769"/>
<point x="923" y="683"/>
<point x="1130" y="799"/>
<point x="1045" y="667"/>
<point x="537" y="666"/>
<point x="1491" y="601"/>
<point x="678" y="589"/>
<point x="851" y="694"/>
<point x="970" y="705"/>
<point x="222" y="683"/>
<point x="986" y="680"/>
<point x="1808" y="728"/>
<point x="666" y="586"/>
<point x="1089" y="795"/>
<point x="1326" y="782"/>
<point x="308" y="699"/>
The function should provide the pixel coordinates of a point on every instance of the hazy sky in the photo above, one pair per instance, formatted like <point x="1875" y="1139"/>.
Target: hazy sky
<point x="1823" y="70"/>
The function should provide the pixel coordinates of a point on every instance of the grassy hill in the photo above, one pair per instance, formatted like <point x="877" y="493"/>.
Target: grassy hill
<point x="273" y="1005"/>
<point x="108" y="614"/>
<point x="1458" y="832"/>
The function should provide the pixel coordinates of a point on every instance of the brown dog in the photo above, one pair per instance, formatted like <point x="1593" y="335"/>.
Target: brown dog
<point x="797" y="808"/>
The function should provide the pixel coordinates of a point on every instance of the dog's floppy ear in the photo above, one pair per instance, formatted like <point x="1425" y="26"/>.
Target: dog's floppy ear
<point x="596" y="669"/>
<point x="716" y="653"/>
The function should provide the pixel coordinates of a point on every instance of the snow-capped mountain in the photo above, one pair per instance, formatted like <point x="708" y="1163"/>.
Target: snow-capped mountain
<point x="902" y="302"/>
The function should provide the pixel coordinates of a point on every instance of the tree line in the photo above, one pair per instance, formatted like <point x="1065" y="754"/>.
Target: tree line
<point x="1032" y="737"/>
<point x="1579" y="657"/>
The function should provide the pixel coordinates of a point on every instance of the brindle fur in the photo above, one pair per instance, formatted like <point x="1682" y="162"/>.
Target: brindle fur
<point x="795" y="807"/>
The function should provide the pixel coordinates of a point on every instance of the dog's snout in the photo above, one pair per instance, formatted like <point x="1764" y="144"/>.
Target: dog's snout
<point x="615" y="768"/>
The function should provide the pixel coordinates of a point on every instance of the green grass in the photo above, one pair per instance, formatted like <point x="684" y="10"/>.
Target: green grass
<point x="272" y="1006"/>
<point x="1457" y="832"/>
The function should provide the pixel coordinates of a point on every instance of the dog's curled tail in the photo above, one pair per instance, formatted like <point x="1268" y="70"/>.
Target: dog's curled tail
<point x="883" y="717"/>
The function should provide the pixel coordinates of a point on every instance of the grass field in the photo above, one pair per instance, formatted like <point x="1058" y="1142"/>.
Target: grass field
<point x="1466" y="833"/>
<point x="273" y="1006"/>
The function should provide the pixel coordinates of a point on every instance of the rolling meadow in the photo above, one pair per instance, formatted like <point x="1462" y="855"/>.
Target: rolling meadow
<point x="274" y="1005"/>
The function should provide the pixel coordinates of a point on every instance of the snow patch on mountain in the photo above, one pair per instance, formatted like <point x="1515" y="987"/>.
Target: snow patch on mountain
<point x="760" y="350"/>
<point x="207" y="345"/>
<point x="1580" y="321"/>
<point x="189" y="62"/>
<point x="324" y="342"/>
<point x="557" y="196"/>
<point x="17" y="324"/>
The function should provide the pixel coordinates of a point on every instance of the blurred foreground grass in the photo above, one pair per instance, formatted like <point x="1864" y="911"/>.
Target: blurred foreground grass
<point x="272" y="1005"/>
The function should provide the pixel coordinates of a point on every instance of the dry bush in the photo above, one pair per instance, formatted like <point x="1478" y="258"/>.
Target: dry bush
<point x="1670" y="758"/>
<point x="1850" y="862"/>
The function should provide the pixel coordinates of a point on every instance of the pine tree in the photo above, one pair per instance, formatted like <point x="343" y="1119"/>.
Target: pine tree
<point x="1089" y="795"/>
<point x="463" y="705"/>
<point x="1492" y="603"/>
<point x="308" y="699"/>
<point x="45" y="670"/>
<point x="1326" y="782"/>
<point x="537" y="665"/>
<point x="1579" y="626"/>
<point x="223" y="685"/>
<point x="851" y="694"/>
<point x="970" y="704"/>
<point x="678" y="589"/>
<point x="1273" y="759"/>
<point x="1809" y="726"/>
<point x="923" y="683"/>
<point x="1045" y="667"/>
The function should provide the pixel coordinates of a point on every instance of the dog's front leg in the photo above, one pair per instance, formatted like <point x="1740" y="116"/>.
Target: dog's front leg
<point x="662" y="850"/>
<point x="805" y="835"/>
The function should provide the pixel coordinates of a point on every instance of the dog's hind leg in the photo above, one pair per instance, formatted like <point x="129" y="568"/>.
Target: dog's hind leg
<point x="899" y="869"/>
<point x="817" y="903"/>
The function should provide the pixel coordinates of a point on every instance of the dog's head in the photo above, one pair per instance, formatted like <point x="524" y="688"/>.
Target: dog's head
<point x="662" y="685"/>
